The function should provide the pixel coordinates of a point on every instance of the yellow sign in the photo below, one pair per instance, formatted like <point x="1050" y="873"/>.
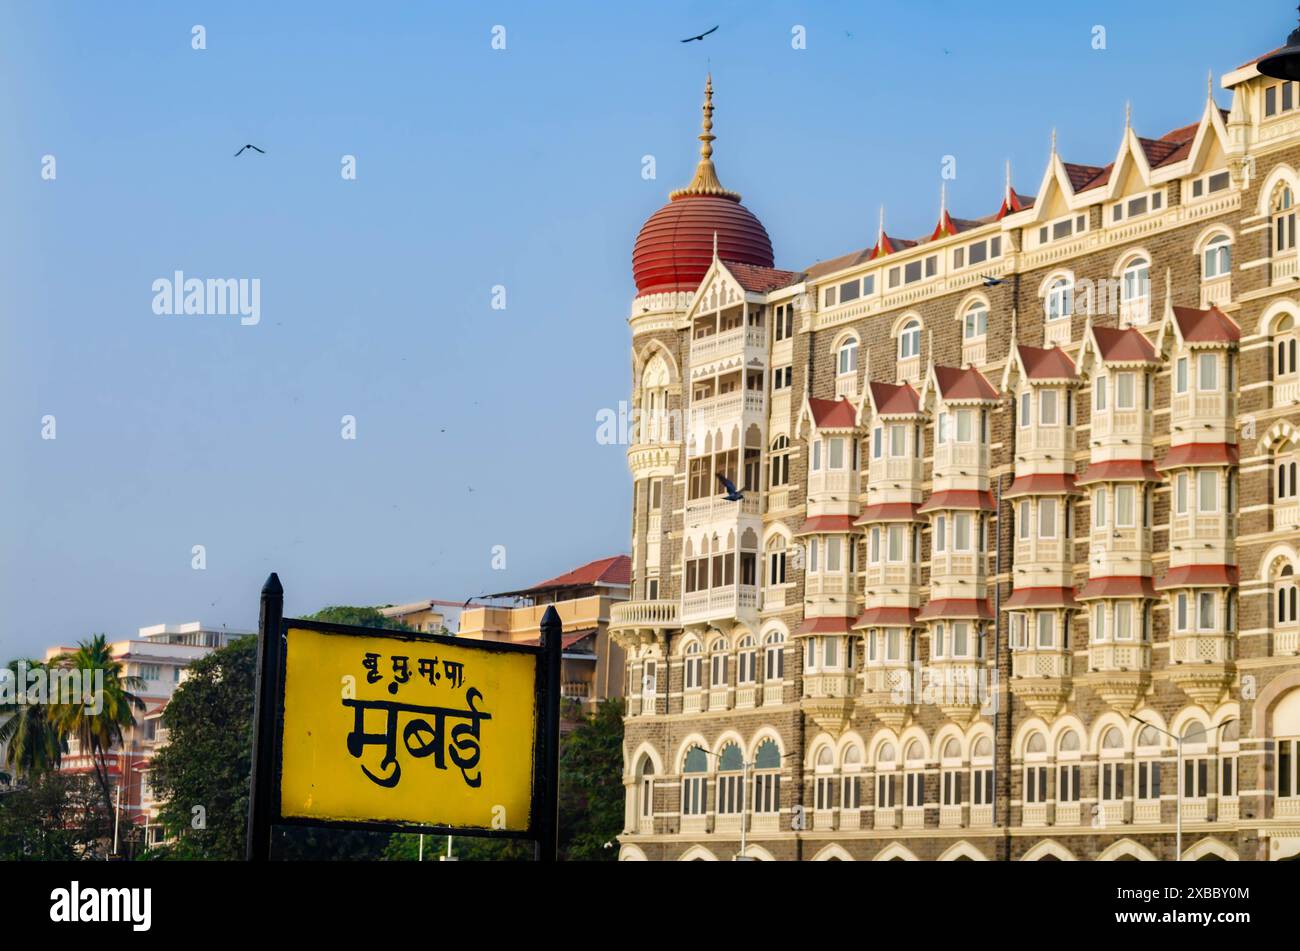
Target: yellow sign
<point x="407" y="730"/>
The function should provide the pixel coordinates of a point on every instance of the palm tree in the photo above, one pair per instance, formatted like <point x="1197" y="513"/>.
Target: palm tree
<point x="99" y="732"/>
<point x="33" y="740"/>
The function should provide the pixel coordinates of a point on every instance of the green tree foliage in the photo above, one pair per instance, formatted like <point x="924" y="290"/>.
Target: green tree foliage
<point x="99" y="729"/>
<point x="205" y="762"/>
<point x="35" y="740"/>
<point x="54" y="817"/>
<point x="591" y="786"/>
<point x="360" y="617"/>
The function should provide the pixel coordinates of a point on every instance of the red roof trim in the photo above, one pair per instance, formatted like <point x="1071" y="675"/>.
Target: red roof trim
<point x="826" y="625"/>
<point x="890" y="512"/>
<point x="967" y="384"/>
<point x="833" y="414"/>
<point x="1050" y="364"/>
<point x="1123" y="346"/>
<point x="1200" y="576"/>
<point x="956" y="608"/>
<point x="1206" y="326"/>
<point x="886" y="617"/>
<point x="615" y="570"/>
<point x="1200" y="454"/>
<point x="1043" y="483"/>
<point x="977" y="499"/>
<point x="1042" y="598"/>
<point x="1120" y="470"/>
<point x="892" y="399"/>
<point x="819" y="524"/>
<point x="1133" y="586"/>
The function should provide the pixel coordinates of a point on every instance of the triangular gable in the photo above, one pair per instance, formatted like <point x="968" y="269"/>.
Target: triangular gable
<point x="1211" y="139"/>
<point x="1130" y="164"/>
<point x="717" y="282"/>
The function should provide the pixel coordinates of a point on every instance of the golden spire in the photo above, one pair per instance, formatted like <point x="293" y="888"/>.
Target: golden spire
<point x="706" y="181"/>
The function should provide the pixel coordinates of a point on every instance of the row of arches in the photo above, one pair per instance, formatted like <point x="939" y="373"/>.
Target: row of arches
<point x="1045" y="850"/>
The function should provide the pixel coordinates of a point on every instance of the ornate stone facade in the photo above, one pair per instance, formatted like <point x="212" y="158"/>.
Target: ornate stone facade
<point x="1019" y="507"/>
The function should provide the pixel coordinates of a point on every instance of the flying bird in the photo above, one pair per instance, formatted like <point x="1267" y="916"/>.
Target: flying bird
<point x="249" y="146"/>
<point x="691" y="39"/>
<point x="733" y="494"/>
<point x="991" y="281"/>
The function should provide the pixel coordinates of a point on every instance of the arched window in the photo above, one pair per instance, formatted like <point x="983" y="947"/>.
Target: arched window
<point x="692" y="666"/>
<point x="1284" y="596"/>
<point x="646" y="788"/>
<point x="774" y="657"/>
<point x="694" y="777"/>
<point x="1286" y="765"/>
<point x="780" y="464"/>
<point x="1135" y="290"/>
<point x="731" y="765"/>
<point x="718" y="663"/>
<point x="1069" y="750"/>
<point x="846" y="360"/>
<point x="851" y="779"/>
<point x="746" y="661"/>
<point x="767" y="779"/>
<point x="1196" y="761"/>
<point x="981" y="759"/>
<point x="1112" y="765"/>
<point x="776" y="561"/>
<point x="914" y="776"/>
<point x="950" y="784"/>
<point x="1216" y="259"/>
<point x="655" y="418"/>
<point x="886" y="764"/>
<point x="1284" y="487"/>
<point x="975" y="324"/>
<point x="909" y="341"/>
<point x="1283" y="220"/>
<point x="1284" y="345"/>
<point x="1059" y="302"/>
<point x="824" y="780"/>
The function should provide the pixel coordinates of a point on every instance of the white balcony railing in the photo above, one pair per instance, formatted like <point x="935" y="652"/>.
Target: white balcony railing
<point x="661" y="613"/>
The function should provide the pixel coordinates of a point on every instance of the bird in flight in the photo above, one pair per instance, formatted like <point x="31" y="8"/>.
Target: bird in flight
<point x="249" y="146"/>
<point x="733" y="494"/>
<point x="991" y="281"/>
<point x="690" y="39"/>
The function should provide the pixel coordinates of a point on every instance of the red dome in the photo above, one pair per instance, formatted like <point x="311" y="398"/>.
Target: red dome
<point x="675" y="246"/>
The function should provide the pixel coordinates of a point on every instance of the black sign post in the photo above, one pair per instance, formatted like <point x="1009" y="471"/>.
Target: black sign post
<point x="268" y="726"/>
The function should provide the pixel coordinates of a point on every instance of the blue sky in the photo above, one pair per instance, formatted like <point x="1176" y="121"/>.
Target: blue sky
<point x="475" y="168"/>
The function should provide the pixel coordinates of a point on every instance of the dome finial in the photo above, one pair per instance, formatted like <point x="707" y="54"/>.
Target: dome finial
<point x="706" y="181"/>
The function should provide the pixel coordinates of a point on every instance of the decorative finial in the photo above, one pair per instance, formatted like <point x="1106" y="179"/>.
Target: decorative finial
<point x="715" y="245"/>
<point x="1053" y="141"/>
<point x="1128" y="115"/>
<point x="880" y="233"/>
<point x="706" y="181"/>
<point x="943" y="199"/>
<point x="1007" y="196"/>
<point x="1013" y="324"/>
<point x="1209" y="85"/>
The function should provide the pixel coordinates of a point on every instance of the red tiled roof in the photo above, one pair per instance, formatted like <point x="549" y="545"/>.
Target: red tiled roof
<point x="1200" y="454"/>
<point x="819" y="524"/>
<point x="754" y="277"/>
<point x="967" y="384"/>
<point x="1159" y="151"/>
<point x="832" y="265"/>
<point x="616" y="570"/>
<point x="1050" y="364"/>
<point x="1123" y="346"/>
<point x="889" y="512"/>
<point x="833" y="414"/>
<point x="956" y="608"/>
<point x="1084" y="176"/>
<point x="1118" y="586"/>
<point x="886" y="617"/>
<point x="1206" y="326"/>
<point x="895" y="399"/>
<point x="1041" y="598"/>
<point x="887" y="245"/>
<point x="1013" y="203"/>
<point x="826" y="625"/>
<point x="1199" y="576"/>
<point x="1119" y="470"/>
<point x="977" y="499"/>
<point x="1043" y="483"/>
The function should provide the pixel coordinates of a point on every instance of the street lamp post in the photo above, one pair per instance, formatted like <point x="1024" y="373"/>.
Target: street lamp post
<point x="1285" y="63"/>
<point x="745" y="766"/>
<point x="1178" y="813"/>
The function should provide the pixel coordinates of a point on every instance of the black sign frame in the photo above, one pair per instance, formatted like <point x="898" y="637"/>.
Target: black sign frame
<point x="268" y="730"/>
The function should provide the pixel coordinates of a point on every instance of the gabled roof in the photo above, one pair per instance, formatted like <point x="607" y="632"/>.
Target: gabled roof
<point x="888" y="245"/>
<point x="815" y="271"/>
<point x="1013" y="202"/>
<point x="1129" y="345"/>
<point x="894" y="399"/>
<point x="1206" y="326"/>
<point x="1050" y="364"/>
<point x="963" y="384"/>
<point x="1083" y="177"/>
<point x="615" y="570"/>
<point x="753" y="277"/>
<point x="833" y="414"/>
